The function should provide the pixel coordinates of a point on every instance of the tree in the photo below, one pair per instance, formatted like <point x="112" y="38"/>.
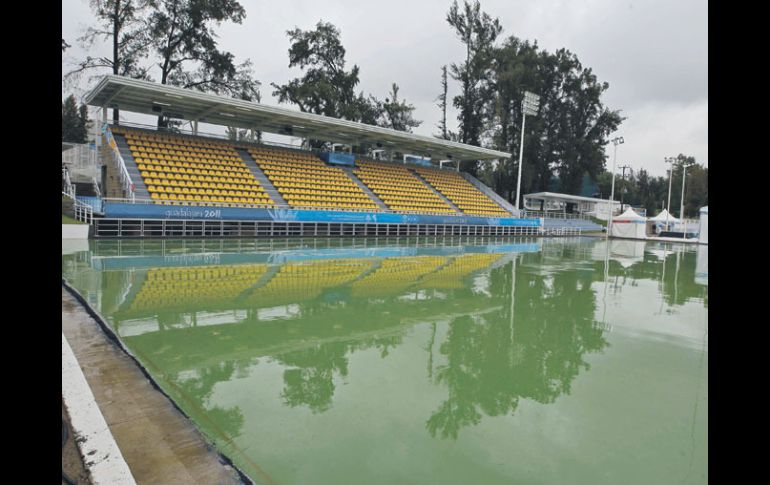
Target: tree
<point x="397" y="114"/>
<point x="181" y="36"/>
<point x="122" y="22"/>
<point x="326" y="88"/>
<point x="74" y="121"/>
<point x="478" y="31"/>
<point x="442" y="105"/>
<point x="567" y="136"/>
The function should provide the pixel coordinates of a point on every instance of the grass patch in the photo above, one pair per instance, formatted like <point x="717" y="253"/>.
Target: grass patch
<point x="69" y="220"/>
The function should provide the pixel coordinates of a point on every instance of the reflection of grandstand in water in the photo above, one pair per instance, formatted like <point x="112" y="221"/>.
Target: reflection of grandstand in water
<point x="167" y="297"/>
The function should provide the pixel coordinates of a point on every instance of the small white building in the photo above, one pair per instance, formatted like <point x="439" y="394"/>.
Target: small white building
<point x="703" y="231"/>
<point x="629" y="225"/>
<point x="570" y="204"/>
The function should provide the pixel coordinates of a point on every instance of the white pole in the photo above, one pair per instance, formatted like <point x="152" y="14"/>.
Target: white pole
<point x="668" y="204"/>
<point x="681" y="204"/>
<point x="612" y="191"/>
<point x="521" y="155"/>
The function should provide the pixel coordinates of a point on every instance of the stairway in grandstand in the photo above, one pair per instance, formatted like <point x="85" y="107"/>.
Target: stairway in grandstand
<point x="305" y="181"/>
<point x="461" y="192"/>
<point x="489" y="193"/>
<point x="140" y="188"/>
<point x="260" y="176"/>
<point x="367" y="190"/>
<point x="445" y="199"/>
<point x="400" y="189"/>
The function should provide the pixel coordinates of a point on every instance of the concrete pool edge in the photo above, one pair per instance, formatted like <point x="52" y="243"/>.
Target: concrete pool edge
<point x="186" y="425"/>
<point x="92" y="434"/>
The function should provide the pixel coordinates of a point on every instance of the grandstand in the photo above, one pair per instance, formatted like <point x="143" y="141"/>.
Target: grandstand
<point x="170" y="184"/>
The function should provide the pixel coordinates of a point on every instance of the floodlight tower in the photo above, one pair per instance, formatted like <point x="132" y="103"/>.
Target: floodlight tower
<point x="615" y="141"/>
<point x="529" y="106"/>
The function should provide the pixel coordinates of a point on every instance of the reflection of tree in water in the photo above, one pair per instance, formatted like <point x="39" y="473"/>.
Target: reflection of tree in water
<point x="677" y="280"/>
<point x="199" y="389"/>
<point x="492" y="363"/>
<point x="311" y="381"/>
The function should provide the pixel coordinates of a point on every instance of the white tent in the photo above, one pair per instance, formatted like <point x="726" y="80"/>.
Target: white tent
<point x="660" y="221"/>
<point x="662" y="217"/>
<point x="703" y="233"/>
<point x="629" y="225"/>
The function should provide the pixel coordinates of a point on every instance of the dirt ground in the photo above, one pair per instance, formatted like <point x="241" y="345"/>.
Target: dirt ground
<point x="73" y="471"/>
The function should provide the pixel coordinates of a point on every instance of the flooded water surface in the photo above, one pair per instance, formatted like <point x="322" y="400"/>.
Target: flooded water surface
<point x="447" y="361"/>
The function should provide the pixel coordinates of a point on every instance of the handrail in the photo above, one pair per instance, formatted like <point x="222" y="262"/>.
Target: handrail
<point x="554" y="215"/>
<point x="125" y="177"/>
<point x="69" y="187"/>
<point x="279" y="206"/>
<point x="83" y="212"/>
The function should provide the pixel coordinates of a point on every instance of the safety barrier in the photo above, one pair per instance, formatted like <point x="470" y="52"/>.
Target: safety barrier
<point x="146" y="228"/>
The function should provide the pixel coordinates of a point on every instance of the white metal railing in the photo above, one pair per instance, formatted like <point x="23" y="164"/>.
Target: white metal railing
<point x="554" y="215"/>
<point x="83" y="212"/>
<point x="69" y="187"/>
<point x="125" y="177"/>
<point x="562" y="231"/>
<point x="96" y="187"/>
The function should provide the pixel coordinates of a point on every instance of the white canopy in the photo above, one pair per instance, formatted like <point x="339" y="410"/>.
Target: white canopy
<point x="629" y="215"/>
<point x="629" y="225"/>
<point x="662" y="217"/>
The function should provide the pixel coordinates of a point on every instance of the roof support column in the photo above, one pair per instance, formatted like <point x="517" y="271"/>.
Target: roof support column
<point x="195" y="128"/>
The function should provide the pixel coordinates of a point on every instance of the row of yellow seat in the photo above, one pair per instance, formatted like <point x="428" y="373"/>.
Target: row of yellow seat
<point x="294" y="176"/>
<point x="462" y="193"/>
<point x="199" y="174"/>
<point x="139" y="136"/>
<point x="398" y="188"/>
<point x="208" y="200"/>
<point x="196" y="171"/>
<point x="245" y="187"/>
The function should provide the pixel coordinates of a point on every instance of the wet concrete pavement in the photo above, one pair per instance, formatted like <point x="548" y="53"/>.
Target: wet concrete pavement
<point x="158" y="443"/>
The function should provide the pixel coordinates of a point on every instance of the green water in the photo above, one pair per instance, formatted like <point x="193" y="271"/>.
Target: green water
<point x="447" y="361"/>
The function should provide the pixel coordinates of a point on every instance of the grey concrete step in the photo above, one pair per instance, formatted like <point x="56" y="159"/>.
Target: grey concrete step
<point x="443" y="197"/>
<point x="367" y="190"/>
<point x="261" y="177"/>
<point x="140" y="188"/>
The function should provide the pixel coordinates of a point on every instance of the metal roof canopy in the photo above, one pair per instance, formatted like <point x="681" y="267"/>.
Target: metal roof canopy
<point x="556" y="196"/>
<point x="151" y="98"/>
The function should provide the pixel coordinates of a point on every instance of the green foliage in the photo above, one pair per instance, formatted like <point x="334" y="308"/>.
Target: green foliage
<point x="120" y="22"/>
<point x="188" y="56"/>
<point x="568" y="135"/>
<point x="74" y="121"/>
<point x="478" y="32"/>
<point x="326" y="88"/>
<point x="397" y="114"/>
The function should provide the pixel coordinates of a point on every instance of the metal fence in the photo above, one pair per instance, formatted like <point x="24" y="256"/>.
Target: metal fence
<point x="148" y="228"/>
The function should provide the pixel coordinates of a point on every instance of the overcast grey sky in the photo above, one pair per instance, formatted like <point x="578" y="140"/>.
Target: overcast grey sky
<point x="653" y="53"/>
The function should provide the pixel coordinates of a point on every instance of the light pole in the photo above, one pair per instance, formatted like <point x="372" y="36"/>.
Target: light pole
<point x="623" y="180"/>
<point x="615" y="141"/>
<point x="681" y="203"/>
<point x="529" y="106"/>
<point x="670" y="160"/>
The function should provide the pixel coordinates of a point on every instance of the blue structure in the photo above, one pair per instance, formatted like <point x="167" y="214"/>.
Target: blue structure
<point x="155" y="211"/>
